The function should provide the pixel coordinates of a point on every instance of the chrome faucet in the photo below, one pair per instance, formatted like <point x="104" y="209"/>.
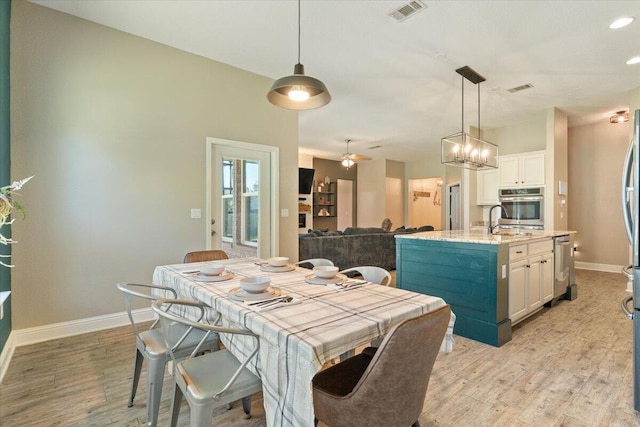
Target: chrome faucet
<point x="491" y="227"/>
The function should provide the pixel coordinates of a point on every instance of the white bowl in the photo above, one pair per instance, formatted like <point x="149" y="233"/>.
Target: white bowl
<point x="325" y="271"/>
<point x="278" y="261"/>
<point x="213" y="270"/>
<point x="255" y="284"/>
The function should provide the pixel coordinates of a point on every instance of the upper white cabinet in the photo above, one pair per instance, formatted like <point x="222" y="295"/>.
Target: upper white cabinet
<point x="487" y="181"/>
<point x="521" y="170"/>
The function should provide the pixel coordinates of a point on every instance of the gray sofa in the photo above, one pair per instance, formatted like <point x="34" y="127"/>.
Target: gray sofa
<point x="354" y="246"/>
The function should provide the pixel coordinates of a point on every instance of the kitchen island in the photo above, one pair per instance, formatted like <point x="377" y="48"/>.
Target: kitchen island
<point x="490" y="280"/>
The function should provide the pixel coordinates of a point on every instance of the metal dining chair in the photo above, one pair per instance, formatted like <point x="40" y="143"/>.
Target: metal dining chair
<point x="315" y="262"/>
<point x="372" y="274"/>
<point x="207" y="382"/>
<point x="151" y="346"/>
<point x="389" y="387"/>
<point x="200" y="256"/>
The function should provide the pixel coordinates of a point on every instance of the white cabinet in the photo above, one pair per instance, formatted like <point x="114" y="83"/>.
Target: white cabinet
<point x="517" y="290"/>
<point x="521" y="170"/>
<point x="487" y="187"/>
<point x="546" y="275"/>
<point x="530" y="278"/>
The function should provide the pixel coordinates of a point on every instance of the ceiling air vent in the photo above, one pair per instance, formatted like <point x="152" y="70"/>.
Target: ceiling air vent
<point x="373" y="147"/>
<point x="409" y="9"/>
<point x="519" y="88"/>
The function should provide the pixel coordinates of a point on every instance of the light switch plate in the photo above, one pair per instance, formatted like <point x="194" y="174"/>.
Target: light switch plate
<point x="196" y="213"/>
<point x="504" y="271"/>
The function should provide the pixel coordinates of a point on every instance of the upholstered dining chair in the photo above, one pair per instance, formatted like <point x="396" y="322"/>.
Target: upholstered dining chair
<point x="200" y="256"/>
<point x="150" y="346"/>
<point x="315" y="262"/>
<point x="372" y="274"/>
<point x="207" y="382"/>
<point x="389" y="387"/>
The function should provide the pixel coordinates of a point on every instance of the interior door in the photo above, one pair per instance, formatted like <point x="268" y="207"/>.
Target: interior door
<point x="241" y="208"/>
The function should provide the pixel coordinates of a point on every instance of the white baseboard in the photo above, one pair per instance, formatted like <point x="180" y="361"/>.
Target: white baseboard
<point x="20" y="337"/>
<point x="607" y="268"/>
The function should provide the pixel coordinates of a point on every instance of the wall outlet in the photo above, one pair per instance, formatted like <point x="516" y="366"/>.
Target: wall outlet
<point x="284" y="213"/>
<point x="196" y="213"/>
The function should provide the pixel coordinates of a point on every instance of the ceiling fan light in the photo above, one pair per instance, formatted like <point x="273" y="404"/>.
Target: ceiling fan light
<point x="347" y="163"/>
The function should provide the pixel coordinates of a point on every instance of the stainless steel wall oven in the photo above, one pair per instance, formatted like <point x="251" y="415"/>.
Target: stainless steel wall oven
<point x="524" y="207"/>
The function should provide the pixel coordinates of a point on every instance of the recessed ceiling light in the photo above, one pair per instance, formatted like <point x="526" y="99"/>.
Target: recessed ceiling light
<point x="634" y="60"/>
<point x="621" y="22"/>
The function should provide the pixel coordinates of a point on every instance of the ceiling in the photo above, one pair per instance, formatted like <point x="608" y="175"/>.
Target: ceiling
<point x="394" y="83"/>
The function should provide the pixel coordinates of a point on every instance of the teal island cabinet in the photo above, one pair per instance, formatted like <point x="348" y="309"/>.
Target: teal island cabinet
<point x="470" y="271"/>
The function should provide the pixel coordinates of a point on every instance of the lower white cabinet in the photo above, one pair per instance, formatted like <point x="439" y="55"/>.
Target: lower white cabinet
<point x="530" y="278"/>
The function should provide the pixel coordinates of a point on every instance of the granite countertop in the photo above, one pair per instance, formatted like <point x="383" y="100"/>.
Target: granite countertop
<point x="481" y="236"/>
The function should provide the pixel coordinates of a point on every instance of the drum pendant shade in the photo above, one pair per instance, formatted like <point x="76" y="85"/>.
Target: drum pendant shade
<point x="279" y="93"/>
<point x="298" y="92"/>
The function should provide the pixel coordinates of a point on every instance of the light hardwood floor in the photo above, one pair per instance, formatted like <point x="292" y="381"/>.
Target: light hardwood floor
<point x="569" y="366"/>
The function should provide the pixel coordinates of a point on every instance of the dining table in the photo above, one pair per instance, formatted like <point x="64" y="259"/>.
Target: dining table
<point x="317" y="322"/>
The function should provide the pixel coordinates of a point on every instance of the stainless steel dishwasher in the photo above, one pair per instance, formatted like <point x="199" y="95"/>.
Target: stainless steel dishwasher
<point x="563" y="264"/>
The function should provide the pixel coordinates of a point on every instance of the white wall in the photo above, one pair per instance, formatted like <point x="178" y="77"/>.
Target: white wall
<point x="371" y="193"/>
<point x="596" y="156"/>
<point x="113" y="127"/>
<point x="527" y="135"/>
<point x="425" y="210"/>
<point x="428" y="167"/>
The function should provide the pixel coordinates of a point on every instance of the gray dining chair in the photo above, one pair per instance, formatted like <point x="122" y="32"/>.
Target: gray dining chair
<point x="207" y="382"/>
<point x="371" y="274"/>
<point x="389" y="387"/>
<point x="151" y="347"/>
<point x="315" y="262"/>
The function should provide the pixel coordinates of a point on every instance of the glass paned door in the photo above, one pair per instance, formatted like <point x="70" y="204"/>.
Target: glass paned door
<point x="250" y="202"/>
<point x="241" y="198"/>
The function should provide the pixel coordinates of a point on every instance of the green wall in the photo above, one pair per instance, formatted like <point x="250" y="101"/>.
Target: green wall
<point x="5" y="273"/>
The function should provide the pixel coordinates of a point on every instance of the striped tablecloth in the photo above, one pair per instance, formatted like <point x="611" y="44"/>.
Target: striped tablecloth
<point x="296" y="340"/>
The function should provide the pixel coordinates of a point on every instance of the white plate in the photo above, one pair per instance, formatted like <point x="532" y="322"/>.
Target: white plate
<point x="239" y="294"/>
<point x="337" y="279"/>
<point x="271" y="269"/>
<point x="219" y="278"/>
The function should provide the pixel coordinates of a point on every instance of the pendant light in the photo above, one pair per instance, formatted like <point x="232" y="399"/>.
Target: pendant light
<point x="298" y="92"/>
<point x="463" y="150"/>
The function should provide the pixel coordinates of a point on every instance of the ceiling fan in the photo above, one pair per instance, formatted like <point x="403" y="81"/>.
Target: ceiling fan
<point x="349" y="159"/>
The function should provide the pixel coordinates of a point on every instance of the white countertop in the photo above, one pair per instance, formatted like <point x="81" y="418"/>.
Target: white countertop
<point x="481" y="236"/>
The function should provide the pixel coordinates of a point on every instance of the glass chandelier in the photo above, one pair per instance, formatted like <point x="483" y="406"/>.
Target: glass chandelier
<point x="463" y="150"/>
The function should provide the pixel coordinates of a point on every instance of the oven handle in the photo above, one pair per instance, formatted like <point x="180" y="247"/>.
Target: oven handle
<point x="625" y="307"/>
<point x="520" y="199"/>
